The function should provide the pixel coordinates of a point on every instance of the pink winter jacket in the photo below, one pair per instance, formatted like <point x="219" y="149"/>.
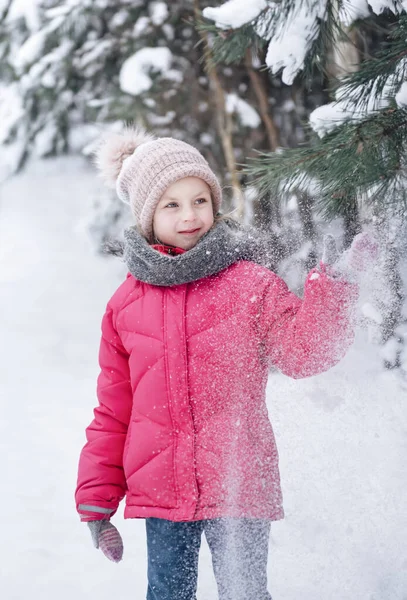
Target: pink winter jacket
<point x="182" y="428"/>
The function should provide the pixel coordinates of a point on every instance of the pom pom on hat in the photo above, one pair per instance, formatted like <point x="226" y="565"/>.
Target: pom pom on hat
<point x="115" y="148"/>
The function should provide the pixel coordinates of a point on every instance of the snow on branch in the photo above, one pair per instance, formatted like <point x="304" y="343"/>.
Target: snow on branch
<point x="357" y="103"/>
<point x="11" y="110"/>
<point x="401" y="96"/>
<point x="293" y="39"/>
<point x="291" y="29"/>
<point x="246" y="113"/>
<point x="29" y="11"/>
<point x="158" y="13"/>
<point x="350" y="10"/>
<point x="31" y="50"/>
<point x="292" y="26"/>
<point x="235" y="13"/>
<point x="134" y="74"/>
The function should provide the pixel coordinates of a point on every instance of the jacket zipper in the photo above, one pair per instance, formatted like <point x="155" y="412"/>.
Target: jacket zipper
<point x="187" y="390"/>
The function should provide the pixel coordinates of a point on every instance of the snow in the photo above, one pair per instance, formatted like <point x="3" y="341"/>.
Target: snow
<point x="327" y="117"/>
<point x="350" y="106"/>
<point x="58" y="11"/>
<point x="341" y="435"/>
<point x="26" y="9"/>
<point x="37" y="70"/>
<point x="48" y="80"/>
<point x="401" y="96"/>
<point x="354" y="104"/>
<point x="45" y="139"/>
<point x="31" y="50"/>
<point x="92" y="52"/>
<point x="134" y="78"/>
<point x="11" y="110"/>
<point x="350" y="10"/>
<point x="158" y="12"/>
<point x="291" y="36"/>
<point x="372" y="313"/>
<point x="10" y="157"/>
<point x="119" y="18"/>
<point x="247" y="114"/>
<point x="83" y="135"/>
<point x="293" y="39"/>
<point x="379" y="6"/>
<point x="288" y="106"/>
<point x="168" y="31"/>
<point x="174" y="75"/>
<point x="234" y="13"/>
<point x="206" y="139"/>
<point x="390" y="349"/>
<point x="300" y="181"/>
<point x="161" y="120"/>
<point x="141" y="26"/>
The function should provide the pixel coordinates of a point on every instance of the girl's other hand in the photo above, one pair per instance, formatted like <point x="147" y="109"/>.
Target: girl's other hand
<point x="106" y="537"/>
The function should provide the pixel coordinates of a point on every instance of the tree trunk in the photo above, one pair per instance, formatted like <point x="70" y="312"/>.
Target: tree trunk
<point x="392" y="231"/>
<point x="223" y="118"/>
<point x="273" y="135"/>
<point x="305" y="211"/>
<point x="265" y="211"/>
<point x="351" y="222"/>
<point x="344" y="55"/>
<point x="393" y="314"/>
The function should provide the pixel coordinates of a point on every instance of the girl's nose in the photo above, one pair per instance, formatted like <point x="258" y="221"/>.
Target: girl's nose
<point x="188" y="214"/>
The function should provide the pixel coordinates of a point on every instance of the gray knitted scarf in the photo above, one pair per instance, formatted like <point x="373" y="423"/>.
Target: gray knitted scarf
<point x="223" y="245"/>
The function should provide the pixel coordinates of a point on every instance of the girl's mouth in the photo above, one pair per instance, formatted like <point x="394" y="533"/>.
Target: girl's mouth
<point x="190" y="231"/>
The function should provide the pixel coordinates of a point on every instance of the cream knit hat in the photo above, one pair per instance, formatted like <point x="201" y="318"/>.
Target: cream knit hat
<point x="141" y="167"/>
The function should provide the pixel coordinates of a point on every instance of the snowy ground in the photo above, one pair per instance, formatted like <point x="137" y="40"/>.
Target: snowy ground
<point x="342" y="436"/>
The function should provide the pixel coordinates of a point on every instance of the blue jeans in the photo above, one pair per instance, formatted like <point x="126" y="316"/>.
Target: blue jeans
<point x="238" y="547"/>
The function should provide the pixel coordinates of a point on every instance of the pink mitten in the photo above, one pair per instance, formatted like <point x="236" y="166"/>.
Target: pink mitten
<point x="363" y="253"/>
<point x="359" y="258"/>
<point x="106" y="537"/>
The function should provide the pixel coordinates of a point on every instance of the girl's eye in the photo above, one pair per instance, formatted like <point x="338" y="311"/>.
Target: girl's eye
<point x="201" y="200"/>
<point x="170" y="205"/>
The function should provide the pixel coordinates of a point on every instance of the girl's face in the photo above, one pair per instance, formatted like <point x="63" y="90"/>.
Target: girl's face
<point x="184" y="213"/>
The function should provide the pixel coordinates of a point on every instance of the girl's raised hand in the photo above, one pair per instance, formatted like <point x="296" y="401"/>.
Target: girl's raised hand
<point x="352" y="263"/>
<point x="106" y="537"/>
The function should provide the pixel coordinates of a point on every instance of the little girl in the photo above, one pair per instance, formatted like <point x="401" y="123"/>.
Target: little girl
<point x="182" y="428"/>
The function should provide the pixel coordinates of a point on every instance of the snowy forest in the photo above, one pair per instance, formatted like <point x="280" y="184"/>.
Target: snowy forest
<point x="300" y="108"/>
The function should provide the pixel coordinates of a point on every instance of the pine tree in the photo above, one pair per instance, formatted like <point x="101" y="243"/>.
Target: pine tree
<point x="361" y="132"/>
<point x="353" y="162"/>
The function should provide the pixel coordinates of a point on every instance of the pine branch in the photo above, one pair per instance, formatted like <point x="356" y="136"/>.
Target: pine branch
<point x="317" y="58"/>
<point x="357" y="159"/>
<point x="383" y="73"/>
<point x="272" y="131"/>
<point x="230" y="46"/>
<point x="5" y="10"/>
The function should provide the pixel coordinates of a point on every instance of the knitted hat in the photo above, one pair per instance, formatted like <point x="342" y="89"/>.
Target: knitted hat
<point x="141" y="167"/>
